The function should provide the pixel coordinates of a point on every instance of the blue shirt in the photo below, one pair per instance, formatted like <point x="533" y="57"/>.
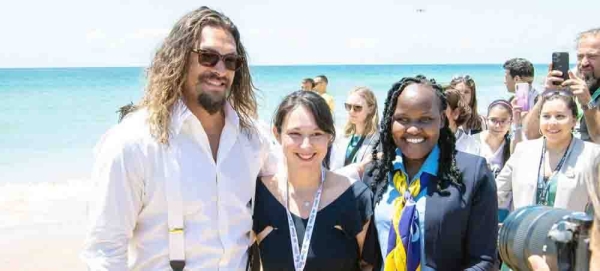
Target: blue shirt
<point x="384" y="209"/>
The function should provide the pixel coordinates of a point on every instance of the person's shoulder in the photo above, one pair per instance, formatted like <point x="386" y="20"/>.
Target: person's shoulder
<point x="526" y="146"/>
<point x="468" y="160"/>
<point x="132" y="131"/>
<point x="272" y="184"/>
<point x="590" y="147"/>
<point x="343" y="182"/>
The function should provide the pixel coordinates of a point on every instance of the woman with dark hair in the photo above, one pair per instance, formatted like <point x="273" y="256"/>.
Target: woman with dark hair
<point x="307" y="217"/>
<point x="551" y="170"/>
<point x="361" y="130"/>
<point x="435" y="208"/>
<point x="457" y="113"/>
<point x="496" y="141"/>
<point x="466" y="85"/>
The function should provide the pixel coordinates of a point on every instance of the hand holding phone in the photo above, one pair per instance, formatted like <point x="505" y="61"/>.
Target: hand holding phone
<point x="560" y="62"/>
<point x="522" y="95"/>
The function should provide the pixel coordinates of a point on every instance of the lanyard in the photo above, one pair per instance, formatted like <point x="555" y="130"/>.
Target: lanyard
<point x="301" y="254"/>
<point x="595" y="95"/>
<point x="350" y="159"/>
<point x="543" y="186"/>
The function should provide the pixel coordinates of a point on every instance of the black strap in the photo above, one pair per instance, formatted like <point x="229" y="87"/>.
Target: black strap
<point x="177" y="265"/>
<point x="349" y="158"/>
<point x="542" y="189"/>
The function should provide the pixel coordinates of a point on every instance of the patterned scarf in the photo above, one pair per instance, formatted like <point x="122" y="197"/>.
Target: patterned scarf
<point x="404" y="241"/>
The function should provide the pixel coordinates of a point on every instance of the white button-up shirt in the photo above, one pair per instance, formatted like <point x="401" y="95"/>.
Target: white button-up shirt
<point x="129" y="229"/>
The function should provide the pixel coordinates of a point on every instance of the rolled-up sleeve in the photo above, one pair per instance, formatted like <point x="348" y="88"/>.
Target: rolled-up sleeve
<point x="116" y="201"/>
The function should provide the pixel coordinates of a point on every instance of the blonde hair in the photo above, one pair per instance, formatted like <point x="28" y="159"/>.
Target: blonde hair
<point x="372" y="119"/>
<point x="167" y="73"/>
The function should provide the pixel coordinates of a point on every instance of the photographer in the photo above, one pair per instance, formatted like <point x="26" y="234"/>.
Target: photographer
<point x="538" y="263"/>
<point x="583" y="84"/>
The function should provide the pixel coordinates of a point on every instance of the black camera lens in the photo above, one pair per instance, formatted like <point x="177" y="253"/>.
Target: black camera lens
<point x="525" y="233"/>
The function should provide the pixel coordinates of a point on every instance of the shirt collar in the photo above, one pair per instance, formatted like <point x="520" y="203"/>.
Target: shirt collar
<point x="430" y="165"/>
<point x="181" y="113"/>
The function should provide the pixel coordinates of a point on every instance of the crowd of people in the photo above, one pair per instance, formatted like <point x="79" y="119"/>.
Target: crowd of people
<point x="190" y="180"/>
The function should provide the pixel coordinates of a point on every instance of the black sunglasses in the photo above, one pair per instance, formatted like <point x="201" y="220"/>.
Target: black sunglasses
<point x="210" y="59"/>
<point x="357" y="108"/>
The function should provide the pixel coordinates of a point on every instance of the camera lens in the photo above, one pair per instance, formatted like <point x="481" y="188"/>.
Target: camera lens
<point x="525" y="233"/>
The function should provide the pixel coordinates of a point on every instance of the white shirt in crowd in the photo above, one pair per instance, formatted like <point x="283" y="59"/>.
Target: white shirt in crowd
<point x="128" y="216"/>
<point x="466" y="143"/>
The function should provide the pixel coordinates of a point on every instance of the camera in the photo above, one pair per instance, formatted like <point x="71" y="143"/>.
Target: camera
<point x="562" y="236"/>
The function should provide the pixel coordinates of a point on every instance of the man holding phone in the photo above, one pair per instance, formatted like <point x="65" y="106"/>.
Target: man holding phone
<point x="520" y="72"/>
<point x="583" y="84"/>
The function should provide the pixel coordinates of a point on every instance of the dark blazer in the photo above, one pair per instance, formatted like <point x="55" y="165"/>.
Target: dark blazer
<point x="461" y="224"/>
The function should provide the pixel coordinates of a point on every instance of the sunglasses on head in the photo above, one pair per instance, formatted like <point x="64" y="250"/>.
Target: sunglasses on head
<point x="356" y="108"/>
<point x="206" y="58"/>
<point x="553" y="92"/>
<point x="462" y="78"/>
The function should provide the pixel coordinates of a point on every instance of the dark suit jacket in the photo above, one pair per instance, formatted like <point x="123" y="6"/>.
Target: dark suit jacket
<point x="461" y="225"/>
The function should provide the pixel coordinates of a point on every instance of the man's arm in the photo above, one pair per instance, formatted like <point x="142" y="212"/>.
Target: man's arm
<point x="118" y="185"/>
<point x="592" y="115"/>
<point x="531" y="121"/>
<point x="592" y="120"/>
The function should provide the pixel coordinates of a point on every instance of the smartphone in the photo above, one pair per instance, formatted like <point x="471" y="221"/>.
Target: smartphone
<point x="560" y="62"/>
<point x="522" y="95"/>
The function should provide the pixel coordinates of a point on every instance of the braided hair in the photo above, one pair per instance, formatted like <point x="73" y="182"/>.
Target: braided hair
<point x="448" y="173"/>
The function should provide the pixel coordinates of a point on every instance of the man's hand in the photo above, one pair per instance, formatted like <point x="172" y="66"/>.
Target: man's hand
<point x="579" y="88"/>
<point x="538" y="263"/>
<point x="553" y="79"/>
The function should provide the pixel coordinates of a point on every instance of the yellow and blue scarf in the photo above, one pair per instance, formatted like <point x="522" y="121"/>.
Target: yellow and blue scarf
<point x="404" y="239"/>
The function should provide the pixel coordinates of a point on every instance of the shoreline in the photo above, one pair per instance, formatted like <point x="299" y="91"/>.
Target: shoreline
<point x="43" y="225"/>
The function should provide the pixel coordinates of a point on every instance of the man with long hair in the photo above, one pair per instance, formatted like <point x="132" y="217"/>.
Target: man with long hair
<point x="175" y="178"/>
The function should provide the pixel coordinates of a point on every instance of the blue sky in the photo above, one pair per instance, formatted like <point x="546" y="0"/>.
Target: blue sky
<point x="75" y="33"/>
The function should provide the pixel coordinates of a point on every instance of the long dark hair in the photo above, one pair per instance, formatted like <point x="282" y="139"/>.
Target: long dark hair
<point x="506" y="105"/>
<point x="315" y="104"/>
<point x="448" y="172"/>
<point x="474" y="122"/>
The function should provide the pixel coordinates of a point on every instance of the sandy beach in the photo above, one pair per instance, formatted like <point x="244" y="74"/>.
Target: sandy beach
<point x="42" y="226"/>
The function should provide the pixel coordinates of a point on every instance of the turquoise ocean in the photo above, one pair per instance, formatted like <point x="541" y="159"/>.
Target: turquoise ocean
<point x="51" y="118"/>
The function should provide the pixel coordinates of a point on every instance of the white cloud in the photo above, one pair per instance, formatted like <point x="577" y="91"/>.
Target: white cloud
<point x="150" y="33"/>
<point x="95" y="35"/>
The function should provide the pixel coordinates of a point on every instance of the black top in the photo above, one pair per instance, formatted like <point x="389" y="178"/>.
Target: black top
<point x="330" y="247"/>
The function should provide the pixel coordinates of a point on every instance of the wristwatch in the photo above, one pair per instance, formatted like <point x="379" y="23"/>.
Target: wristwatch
<point x="591" y="105"/>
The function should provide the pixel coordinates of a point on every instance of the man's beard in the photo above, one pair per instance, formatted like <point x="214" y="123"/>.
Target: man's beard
<point x="212" y="103"/>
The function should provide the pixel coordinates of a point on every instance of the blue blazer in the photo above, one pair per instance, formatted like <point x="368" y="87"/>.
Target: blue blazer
<point x="461" y="223"/>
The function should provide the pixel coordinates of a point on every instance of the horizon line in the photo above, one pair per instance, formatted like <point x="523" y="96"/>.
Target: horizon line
<point x="268" y="65"/>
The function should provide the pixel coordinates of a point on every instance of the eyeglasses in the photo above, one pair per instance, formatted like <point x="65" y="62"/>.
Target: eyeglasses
<point x="355" y="107"/>
<point x="500" y="122"/>
<point x="553" y="92"/>
<point x="210" y="59"/>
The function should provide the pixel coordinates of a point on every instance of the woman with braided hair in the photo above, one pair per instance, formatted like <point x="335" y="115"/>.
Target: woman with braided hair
<point x="435" y="208"/>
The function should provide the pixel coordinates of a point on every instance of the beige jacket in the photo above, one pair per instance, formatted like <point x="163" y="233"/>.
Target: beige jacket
<point x="517" y="182"/>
